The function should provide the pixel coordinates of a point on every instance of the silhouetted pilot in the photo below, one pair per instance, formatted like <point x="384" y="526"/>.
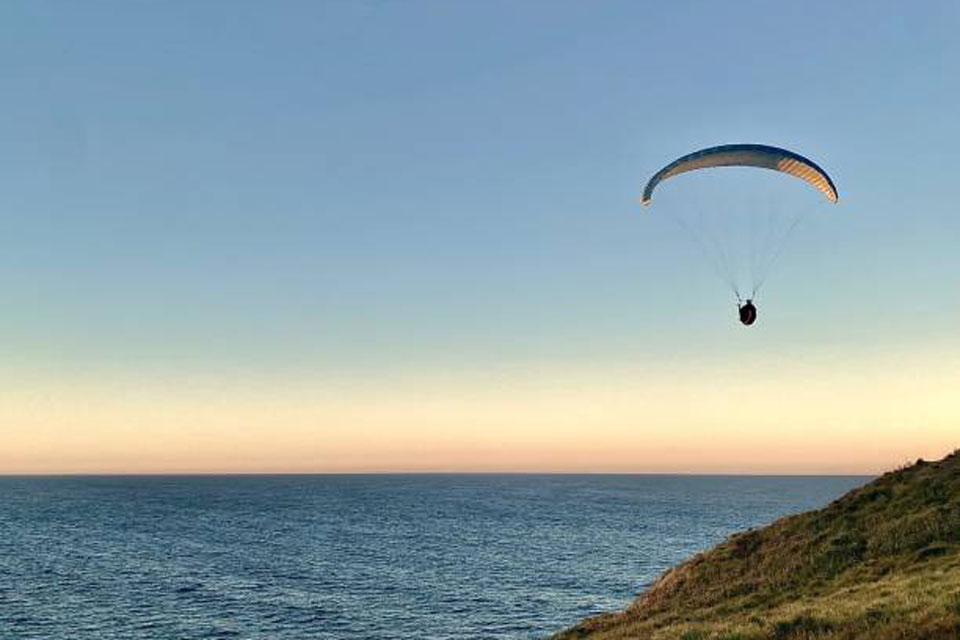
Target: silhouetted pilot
<point x="748" y="313"/>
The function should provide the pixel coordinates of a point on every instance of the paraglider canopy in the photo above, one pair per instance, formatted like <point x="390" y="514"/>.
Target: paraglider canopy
<point x="746" y="155"/>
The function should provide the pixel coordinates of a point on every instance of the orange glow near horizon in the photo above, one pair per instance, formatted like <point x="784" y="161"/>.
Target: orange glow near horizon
<point x="818" y="417"/>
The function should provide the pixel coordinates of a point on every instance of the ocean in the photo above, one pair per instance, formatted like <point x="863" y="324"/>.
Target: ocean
<point x="357" y="557"/>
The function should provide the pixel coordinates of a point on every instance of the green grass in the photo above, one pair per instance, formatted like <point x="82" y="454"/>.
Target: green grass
<point x="882" y="562"/>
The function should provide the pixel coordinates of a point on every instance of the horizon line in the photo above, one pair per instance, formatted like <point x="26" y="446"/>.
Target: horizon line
<point x="174" y="474"/>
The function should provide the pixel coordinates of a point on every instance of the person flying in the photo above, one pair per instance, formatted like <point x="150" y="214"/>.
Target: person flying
<point x="748" y="313"/>
<point x="725" y="253"/>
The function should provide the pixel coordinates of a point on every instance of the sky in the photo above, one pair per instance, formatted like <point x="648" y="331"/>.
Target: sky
<point x="405" y="236"/>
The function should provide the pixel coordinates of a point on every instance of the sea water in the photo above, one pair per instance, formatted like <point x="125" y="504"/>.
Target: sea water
<point x="353" y="557"/>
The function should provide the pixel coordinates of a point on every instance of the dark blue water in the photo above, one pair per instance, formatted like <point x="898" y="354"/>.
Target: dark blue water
<point x="356" y="557"/>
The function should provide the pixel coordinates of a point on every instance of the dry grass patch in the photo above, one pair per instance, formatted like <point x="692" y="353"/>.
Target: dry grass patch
<point x="882" y="562"/>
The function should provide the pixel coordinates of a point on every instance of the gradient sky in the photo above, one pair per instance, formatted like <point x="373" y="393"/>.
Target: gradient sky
<point x="370" y="236"/>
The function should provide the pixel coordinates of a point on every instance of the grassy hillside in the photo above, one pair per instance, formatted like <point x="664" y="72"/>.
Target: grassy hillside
<point x="882" y="562"/>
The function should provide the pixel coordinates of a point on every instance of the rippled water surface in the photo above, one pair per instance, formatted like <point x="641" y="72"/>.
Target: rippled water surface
<point x="356" y="557"/>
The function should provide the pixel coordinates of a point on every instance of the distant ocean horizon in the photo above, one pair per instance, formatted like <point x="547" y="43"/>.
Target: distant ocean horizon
<point x="358" y="555"/>
<point x="307" y="474"/>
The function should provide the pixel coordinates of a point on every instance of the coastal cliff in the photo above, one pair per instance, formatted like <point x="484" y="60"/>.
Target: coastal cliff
<point x="881" y="562"/>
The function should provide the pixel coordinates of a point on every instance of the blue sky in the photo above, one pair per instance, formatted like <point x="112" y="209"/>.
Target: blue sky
<point x="336" y="189"/>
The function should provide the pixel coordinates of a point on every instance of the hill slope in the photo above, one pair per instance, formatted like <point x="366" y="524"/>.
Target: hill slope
<point x="881" y="562"/>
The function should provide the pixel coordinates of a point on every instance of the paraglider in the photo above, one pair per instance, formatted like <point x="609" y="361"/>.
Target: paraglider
<point x="768" y="226"/>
